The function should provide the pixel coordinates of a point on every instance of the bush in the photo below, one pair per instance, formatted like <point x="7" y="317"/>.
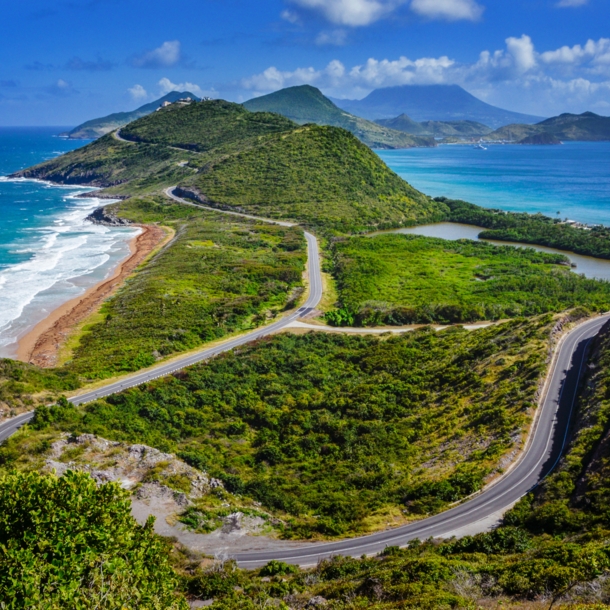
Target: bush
<point x="67" y="543"/>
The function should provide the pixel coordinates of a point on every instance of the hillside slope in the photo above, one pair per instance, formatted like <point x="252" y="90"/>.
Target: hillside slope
<point x="320" y="175"/>
<point x="437" y="129"/>
<point x="431" y="103"/>
<point x="227" y="156"/>
<point x="306" y="104"/>
<point x="585" y="127"/>
<point x="96" y="128"/>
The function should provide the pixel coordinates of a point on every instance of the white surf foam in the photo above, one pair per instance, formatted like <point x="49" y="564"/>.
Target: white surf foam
<point x="67" y="256"/>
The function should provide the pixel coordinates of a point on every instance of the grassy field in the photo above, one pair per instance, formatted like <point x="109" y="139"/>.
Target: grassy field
<point x="23" y="386"/>
<point x="338" y="434"/>
<point x="219" y="275"/>
<point x="404" y="279"/>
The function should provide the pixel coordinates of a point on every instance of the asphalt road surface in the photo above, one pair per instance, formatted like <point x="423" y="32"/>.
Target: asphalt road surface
<point x="544" y="450"/>
<point x="547" y="441"/>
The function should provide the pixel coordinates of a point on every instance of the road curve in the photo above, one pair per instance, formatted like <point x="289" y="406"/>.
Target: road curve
<point x="315" y="294"/>
<point x="546" y="445"/>
<point x="547" y="440"/>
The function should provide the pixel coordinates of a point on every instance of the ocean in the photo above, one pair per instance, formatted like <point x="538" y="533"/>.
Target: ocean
<point x="572" y="179"/>
<point x="48" y="253"/>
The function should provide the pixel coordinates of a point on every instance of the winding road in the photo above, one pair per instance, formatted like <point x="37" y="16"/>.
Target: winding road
<point x="544" y="447"/>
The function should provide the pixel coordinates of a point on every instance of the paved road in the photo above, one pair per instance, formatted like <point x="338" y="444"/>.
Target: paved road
<point x="170" y="193"/>
<point x="315" y="294"/>
<point x="545" y="448"/>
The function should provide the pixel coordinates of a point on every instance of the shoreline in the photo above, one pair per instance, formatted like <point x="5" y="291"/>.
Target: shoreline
<point x="41" y="344"/>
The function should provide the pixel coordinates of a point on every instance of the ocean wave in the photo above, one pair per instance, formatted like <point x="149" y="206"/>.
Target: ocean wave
<point x="66" y="256"/>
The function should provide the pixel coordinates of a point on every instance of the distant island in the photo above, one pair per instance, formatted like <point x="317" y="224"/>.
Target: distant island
<point x="585" y="127"/>
<point x="436" y="129"/>
<point x="432" y="103"/>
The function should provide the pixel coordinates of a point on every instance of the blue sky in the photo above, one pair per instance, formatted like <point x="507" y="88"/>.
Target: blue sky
<point x="65" y="61"/>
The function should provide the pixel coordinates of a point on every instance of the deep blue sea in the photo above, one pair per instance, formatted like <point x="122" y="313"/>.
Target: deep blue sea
<point x="572" y="179"/>
<point x="48" y="253"/>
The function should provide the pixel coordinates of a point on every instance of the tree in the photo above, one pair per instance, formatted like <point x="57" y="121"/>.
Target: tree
<point x="67" y="544"/>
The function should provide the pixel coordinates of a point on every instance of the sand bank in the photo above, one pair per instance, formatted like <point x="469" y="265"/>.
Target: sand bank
<point x="41" y="345"/>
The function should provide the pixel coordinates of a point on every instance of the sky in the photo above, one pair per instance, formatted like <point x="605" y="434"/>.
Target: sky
<point x="66" y="61"/>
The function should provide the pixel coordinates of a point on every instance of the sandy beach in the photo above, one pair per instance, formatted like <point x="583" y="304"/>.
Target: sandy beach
<point x="41" y="345"/>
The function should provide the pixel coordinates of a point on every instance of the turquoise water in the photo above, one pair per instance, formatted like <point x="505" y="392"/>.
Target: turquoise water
<point x="49" y="254"/>
<point x="573" y="179"/>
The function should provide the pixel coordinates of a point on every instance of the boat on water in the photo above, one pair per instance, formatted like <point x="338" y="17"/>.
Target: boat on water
<point x="479" y="146"/>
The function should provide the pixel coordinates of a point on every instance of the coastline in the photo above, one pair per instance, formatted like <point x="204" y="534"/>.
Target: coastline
<point x="41" y="344"/>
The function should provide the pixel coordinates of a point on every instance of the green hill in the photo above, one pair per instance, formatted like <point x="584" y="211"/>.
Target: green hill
<point x="96" y="128"/>
<point x="306" y="104"/>
<point x="227" y="156"/>
<point x="319" y="175"/>
<point x="437" y="129"/>
<point x="585" y="127"/>
<point x="543" y="138"/>
<point x="208" y="126"/>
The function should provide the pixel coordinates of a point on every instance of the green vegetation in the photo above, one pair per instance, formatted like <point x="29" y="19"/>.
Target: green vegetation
<point x="24" y="385"/>
<point x="306" y="104"/>
<point x="504" y="569"/>
<point x="531" y="229"/>
<point x="407" y="279"/>
<point x="107" y="162"/>
<point x="551" y="551"/>
<point x="541" y="139"/>
<point x="95" y="128"/>
<point x="230" y="157"/>
<point x="320" y="176"/>
<point x="67" y="544"/>
<point x="208" y="126"/>
<point x="436" y="128"/>
<point x="574" y="500"/>
<point x="585" y="127"/>
<point x="338" y="434"/>
<point x="220" y="275"/>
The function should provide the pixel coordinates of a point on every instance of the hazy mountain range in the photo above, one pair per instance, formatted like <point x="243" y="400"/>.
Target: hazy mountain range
<point x="431" y="103"/>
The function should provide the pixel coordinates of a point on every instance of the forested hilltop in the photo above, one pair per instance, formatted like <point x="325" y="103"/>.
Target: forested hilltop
<point x="229" y="157"/>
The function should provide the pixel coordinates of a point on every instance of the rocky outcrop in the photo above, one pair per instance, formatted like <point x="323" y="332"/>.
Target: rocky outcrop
<point x="104" y="216"/>
<point x="148" y="471"/>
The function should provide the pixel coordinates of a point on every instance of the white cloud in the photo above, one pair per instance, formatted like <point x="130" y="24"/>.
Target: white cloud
<point x="571" y="3"/>
<point x="335" y="37"/>
<point x="166" y="86"/>
<point x="351" y="12"/>
<point x="518" y="76"/>
<point x="138" y="92"/>
<point x="168" y="54"/>
<point x="593" y="55"/>
<point x="290" y="17"/>
<point x="451" y="10"/>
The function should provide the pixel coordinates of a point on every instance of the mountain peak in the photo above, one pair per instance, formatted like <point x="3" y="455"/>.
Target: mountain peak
<point x="307" y="104"/>
<point x="96" y="128"/>
<point x="431" y="103"/>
